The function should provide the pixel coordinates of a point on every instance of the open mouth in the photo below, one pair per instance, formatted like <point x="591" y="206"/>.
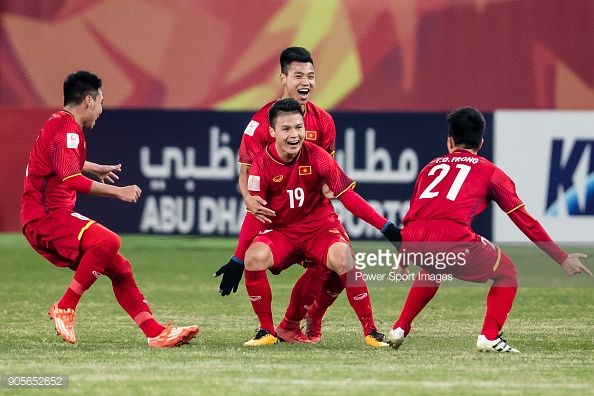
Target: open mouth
<point x="293" y="143"/>
<point x="303" y="92"/>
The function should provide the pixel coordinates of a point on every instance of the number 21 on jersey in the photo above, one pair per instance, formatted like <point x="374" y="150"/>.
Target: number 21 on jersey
<point x="443" y="169"/>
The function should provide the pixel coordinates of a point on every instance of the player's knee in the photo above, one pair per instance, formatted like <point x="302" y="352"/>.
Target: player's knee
<point x="100" y="237"/>
<point x="339" y="258"/>
<point x="506" y="274"/>
<point x="258" y="257"/>
<point x="119" y="267"/>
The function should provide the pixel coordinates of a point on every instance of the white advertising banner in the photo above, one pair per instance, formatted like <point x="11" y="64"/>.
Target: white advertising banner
<point x="550" y="156"/>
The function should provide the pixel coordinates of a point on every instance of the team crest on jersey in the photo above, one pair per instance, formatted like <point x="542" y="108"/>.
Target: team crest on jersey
<point x="311" y="135"/>
<point x="304" y="170"/>
<point x="277" y="179"/>
<point x="254" y="183"/>
<point x="72" y="140"/>
<point x="251" y="128"/>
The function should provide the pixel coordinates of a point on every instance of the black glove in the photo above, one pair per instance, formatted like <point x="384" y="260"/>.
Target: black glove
<point x="232" y="273"/>
<point x="392" y="234"/>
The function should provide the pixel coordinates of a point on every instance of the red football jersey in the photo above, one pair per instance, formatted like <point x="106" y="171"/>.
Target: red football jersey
<point x="294" y="190"/>
<point x="459" y="186"/>
<point x="319" y="129"/>
<point x="58" y="152"/>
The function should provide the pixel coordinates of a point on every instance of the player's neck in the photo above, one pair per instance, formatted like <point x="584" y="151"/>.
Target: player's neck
<point x="75" y="113"/>
<point x="282" y="156"/>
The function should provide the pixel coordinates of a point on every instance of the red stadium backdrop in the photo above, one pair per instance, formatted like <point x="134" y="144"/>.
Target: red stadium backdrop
<point x="399" y="55"/>
<point x="403" y="56"/>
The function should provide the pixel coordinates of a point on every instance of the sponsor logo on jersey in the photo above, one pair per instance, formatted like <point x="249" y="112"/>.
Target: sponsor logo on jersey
<point x="264" y="232"/>
<point x="277" y="179"/>
<point x="96" y="274"/>
<point x="311" y="135"/>
<point x="72" y="140"/>
<point x="254" y="183"/>
<point x="251" y="128"/>
<point x="304" y="170"/>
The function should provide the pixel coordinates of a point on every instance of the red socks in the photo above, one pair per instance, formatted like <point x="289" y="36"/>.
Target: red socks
<point x="419" y="295"/>
<point x="358" y="297"/>
<point x="258" y="289"/>
<point x="330" y="291"/>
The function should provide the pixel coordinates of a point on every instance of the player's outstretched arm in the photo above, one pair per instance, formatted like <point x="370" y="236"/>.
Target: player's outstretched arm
<point x="358" y="206"/>
<point x="127" y="193"/>
<point x="254" y="204"/>
<point x="105" y="173"/>
<point x="573" y="265"/>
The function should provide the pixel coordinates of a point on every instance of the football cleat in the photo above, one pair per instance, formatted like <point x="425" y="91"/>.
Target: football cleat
<point x="497" y="345"/>
<point x="173" y="336"/>
<point x="396" y="337"/>
<point x="313" y="329"/>
<point x="376" y="339"/>
<point x="263" y="337"/>
<point x="291" y="335"/>
<point x="64" y="322"/>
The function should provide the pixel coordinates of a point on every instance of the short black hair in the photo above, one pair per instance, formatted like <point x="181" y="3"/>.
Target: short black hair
<point x="80" y="84"/>
<point x="294" y="54"/>
<point x="466" y="126"/>
<point x="288" y="105"/>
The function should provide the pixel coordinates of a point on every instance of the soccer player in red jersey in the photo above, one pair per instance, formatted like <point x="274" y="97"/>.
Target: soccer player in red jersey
<point x="298" y="81"/>
<point x="449" y="192"/>
<point x="289" y="176"/>
<point x="68" y="239"/>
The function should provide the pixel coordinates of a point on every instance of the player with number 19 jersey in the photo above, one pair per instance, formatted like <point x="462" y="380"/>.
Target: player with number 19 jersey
<point x="293" y="190"/>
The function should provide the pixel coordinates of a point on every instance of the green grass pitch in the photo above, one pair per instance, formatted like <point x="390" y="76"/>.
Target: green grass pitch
<point x="552" y="323"/>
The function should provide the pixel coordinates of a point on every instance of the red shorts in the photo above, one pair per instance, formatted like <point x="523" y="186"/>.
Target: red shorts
<point x="289" y="247"/>
<point x="451" y="248"/>
<point x="57" y="236"/>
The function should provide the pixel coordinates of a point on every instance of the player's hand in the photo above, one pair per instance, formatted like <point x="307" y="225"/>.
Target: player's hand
<point x="392" y="234"/>
<point x="232" y="273"/>
<point x="130" y="193"/>
<point x="327" y="192"/>
<point x="572" y="264"/>
<point x="107" y="173"/>
<point x="256" y="205"/>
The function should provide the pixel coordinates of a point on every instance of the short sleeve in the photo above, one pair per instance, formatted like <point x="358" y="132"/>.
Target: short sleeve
<point x="65" y="154"/>
<point x="255" y="138"/>
<point x="503" y="191"/>
<point x="329" y="141"/>
<point x="332" y="174"/>
<point x="256" y="184"/>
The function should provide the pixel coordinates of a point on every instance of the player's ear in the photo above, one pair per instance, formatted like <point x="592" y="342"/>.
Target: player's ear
<point x="271" y="130"/>
<point x="480" y="145"/>
<point x="450" y="143"/>
<point x="283" y="79"/>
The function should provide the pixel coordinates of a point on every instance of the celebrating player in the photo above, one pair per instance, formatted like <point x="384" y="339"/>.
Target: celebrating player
<point x="69" y="239"/>
<point x="298" y="81"/>
<point x="449" y="192"/>
<point x="289" y="176"/>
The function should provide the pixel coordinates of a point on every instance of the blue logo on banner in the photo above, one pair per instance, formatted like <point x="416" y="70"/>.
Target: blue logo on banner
<point x="571" y="182"/>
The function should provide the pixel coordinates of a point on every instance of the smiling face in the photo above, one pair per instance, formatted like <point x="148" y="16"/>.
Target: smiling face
<point x="94" y="108"/>
<point x="299" y="81"/>
<point x="289" y="132"/>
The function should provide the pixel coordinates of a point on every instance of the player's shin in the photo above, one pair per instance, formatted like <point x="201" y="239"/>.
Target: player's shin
<point x="260" y="294"/>
<point x="358" y="296"/>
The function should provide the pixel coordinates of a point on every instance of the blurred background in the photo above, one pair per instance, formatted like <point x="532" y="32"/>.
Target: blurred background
<point x="182" y="79"/>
